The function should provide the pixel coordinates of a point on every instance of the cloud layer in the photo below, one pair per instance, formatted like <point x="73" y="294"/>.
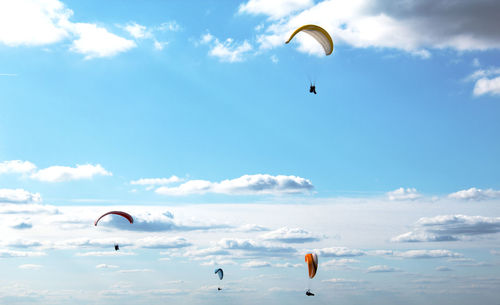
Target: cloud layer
<point x="450" y="228"/>
<point x="244" y="185"/>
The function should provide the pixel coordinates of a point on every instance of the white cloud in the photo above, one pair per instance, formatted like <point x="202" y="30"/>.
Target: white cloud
<point x="475" y="194"/>
<point x="106" y="266"/>
<point x="156" y="181"/>
<point x="227" y="51"/>
<point x="66" y="173"/>
<point x="381" y="268"/>
<point x="244" y="185"/>
<point x="253" y="248"/>
<point x="288" y="265"/>
<point x="91" y="243"/>
<point x="487" y="82"/>
<point x="409" y="26"/>
<point x="256" y="264"/>
<point x="171" y="26"/>
<point x="290" y="235"/>
<point x="252" y="228"/>
<point x="22" y="243"/>
<point x="45" y="22"/>
<point x="404" y="194"/>
<point x="450" y="228"/>
<point x="11" y="253"/>
<point x="158" y="222"/>
<point x="32" y="22"/>
<point x="443" y="268"/>
<point x="341" y="281"/>
<point x="135" y="270"/>
<point x="275" y="9"/>
<point x="94" y="41"/>
<point x="423" y="254"/>
<point x="29" y="209"/>
<point x="160" y="45"/>
<point x="338" y="252"/>
<point x="138" y="31"/>
<point x="224" y="262"/>
<point x="339" y="262"/>
<point x="487" y="86"/>
<point x="162" y="242"/>
<point x="18" y="196"/>
<point x="16" y="166"/>
<point x="105" y="253"/>
<point x="30" y="267"/>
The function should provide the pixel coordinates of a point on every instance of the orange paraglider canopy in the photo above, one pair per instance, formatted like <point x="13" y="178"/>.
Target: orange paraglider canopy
<point x="312" y="264"/>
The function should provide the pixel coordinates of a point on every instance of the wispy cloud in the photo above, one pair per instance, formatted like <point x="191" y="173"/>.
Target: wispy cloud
<point x="156" y="181"/>
<point x="403" y="194"/>
<point x="16" y="166"/>
<point x="475" y="194"/>
<point x="66" y="173"/>
<point x="450" y="228"/>
<point x="106" y="266"/>
<point x="105" y="253"/>
<point x="291" y="235"/>
<point x="274" y="9"/>
<point x="12" y="253"/>
<point x="381" y="269"/>
<point x="339" y="252"/>
<point x="256" y="264"/>
<point x="244" y="185"/>
<point x="19" y="196"/>
<point x="228" y="50"/>
<point x="421" y="254"/>
<point x="30" y="267"/>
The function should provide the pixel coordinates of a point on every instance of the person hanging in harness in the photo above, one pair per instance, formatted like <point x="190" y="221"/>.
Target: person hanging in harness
<point x="312" y="88"/>
<point x="309" y="293"/>
<point x="117" y="247"/>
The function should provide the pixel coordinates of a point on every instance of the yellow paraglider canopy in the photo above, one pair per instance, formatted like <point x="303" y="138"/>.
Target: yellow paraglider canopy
<point x="320" y="34"/>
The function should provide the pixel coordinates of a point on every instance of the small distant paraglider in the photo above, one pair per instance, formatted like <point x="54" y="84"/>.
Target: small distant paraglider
<point x="119" y="213"/>
<point x="312" y="267"/>
<point x="312" y="88"/>
<point x="321" y="36"/>
<point x="220" y="273"/>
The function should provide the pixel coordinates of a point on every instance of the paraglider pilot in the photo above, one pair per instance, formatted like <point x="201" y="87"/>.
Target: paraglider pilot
<point x="117" y="247"/>
<point x="312" y="89"/>
<point x="309" y="293"/>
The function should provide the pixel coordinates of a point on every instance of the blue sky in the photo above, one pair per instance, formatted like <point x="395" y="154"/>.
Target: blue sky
<point x="196" y="118"/>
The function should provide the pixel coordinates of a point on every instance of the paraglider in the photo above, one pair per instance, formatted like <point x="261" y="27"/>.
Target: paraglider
<point x="318" y="33"/>
<point x="220" y="273"/>
<point x="312" y="267"/>
<point x="321" y="36"/>
<point x="120" y="213"/>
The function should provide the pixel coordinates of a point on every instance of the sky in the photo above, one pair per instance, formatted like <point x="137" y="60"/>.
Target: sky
<point x="196" y="118"/>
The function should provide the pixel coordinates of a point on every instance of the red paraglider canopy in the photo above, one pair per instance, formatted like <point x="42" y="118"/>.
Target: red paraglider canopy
<point x="120" y="213"/>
